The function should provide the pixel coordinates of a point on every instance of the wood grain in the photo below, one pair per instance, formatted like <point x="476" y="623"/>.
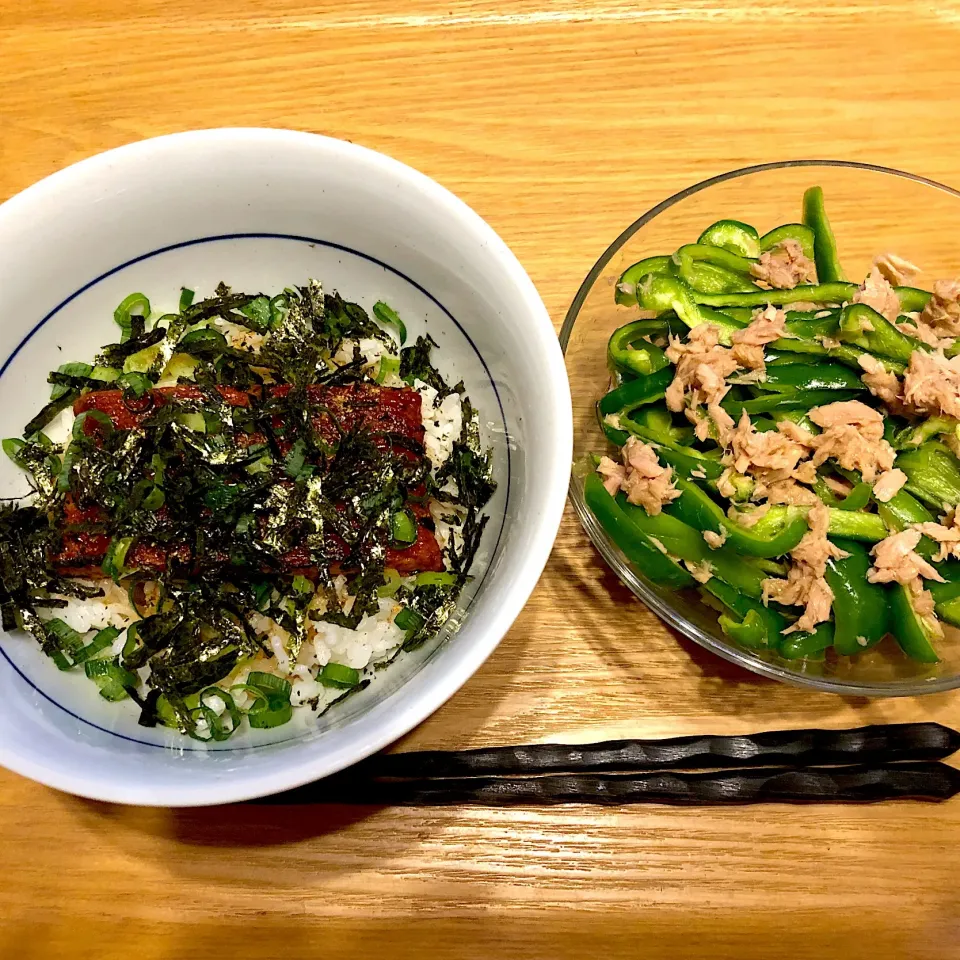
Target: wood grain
<point x="559" y="122"/>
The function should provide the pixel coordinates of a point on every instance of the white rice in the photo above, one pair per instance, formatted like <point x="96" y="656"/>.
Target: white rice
<point x="442" y="422"/>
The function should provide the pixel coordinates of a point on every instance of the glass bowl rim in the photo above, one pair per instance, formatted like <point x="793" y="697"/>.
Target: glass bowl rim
<point x="663" y="610"/>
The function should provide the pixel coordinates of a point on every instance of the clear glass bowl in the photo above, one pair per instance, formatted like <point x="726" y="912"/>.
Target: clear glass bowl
<point x="873" y="210"/>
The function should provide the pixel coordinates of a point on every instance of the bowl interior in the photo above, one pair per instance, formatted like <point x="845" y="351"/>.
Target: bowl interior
<point x="186" y="211"/>
<point x="873" y="210"/>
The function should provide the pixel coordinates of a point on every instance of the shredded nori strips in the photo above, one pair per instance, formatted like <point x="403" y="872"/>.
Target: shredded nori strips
<point x="225" y="491"/>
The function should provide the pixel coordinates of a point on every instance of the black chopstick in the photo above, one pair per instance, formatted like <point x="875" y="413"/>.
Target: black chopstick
<point x="877" y="744"/>
<point x="856" y="784"/>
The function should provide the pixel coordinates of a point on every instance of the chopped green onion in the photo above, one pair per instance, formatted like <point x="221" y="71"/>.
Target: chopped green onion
<point x="388" y="316"/>
<point x="392" y="583"/>
<point x="216" y="727"/>
<point x="106" y="374"/>
<point x="295" y="461"/>
<point x="275" y="710"/>
<point x="98" y="644"/>
<point x="71" y="370"/>
<point x="436" y="579"/>
<point x="115" y="557"/>
<point x="389" y="367"/>
<point x="186" y="298"/>
<point x="269" y="683"/>
<point x="68" y="643"/>
<point x="135" y="303"/>
<point x="204" y="340"/>
<point x="403" y="528"/>
<point x="155" y="499"/>
<point x="111" y="678"/>
<point x="258" y="312"/>
<point x="136" y="383"/>
<point x="302" y="585"/>
<point x="261" y="594"/>
<point x="78" y="431"/>
<point x="409" y="619"/>
<point x="262" y="718"/>
<point x="12" y="447"/>
<point x="338" y="675"/>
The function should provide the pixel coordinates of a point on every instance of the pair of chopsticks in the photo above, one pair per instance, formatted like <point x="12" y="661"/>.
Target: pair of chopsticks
<point x="862" y="765"/>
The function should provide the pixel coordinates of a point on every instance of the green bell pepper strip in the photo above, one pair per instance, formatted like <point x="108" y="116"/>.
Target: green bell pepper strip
<point x="628" y="351"/>
<point x="856" y="499"/>
<point x="884" y="339"/>
<point x="801" y="376"/>
<point x="914" y="436"/>
<point x="933" y="474"/>
<point x="635" y="544"/>
<point x="949" y="610"/>
<point x="698" y="510"/>
<point x="626" y="289"/>
<point x="661" y="293"/>
<point x="814" y="293"/>
<point x="704" y="277"/>
<point x="801" y="400"/>
<point x="688" y="463"/>
<point x="695" y="252"/>
<point x="859" y="607"/>
<point x="843" y="523"/>
<point x="950" y="588"/>
<point x="824" y="242"/>
<point x="808" y="646"/>
<point x="635" y="393"/>
<point x="911" y="630"/>
<point x="659" y="422"/>
<point x="790" y="231"/>
<point x="756" y="626"/>
<point x="683" y="541"/>
<point x="912" y="300"/>
<point x="732" y="235"/>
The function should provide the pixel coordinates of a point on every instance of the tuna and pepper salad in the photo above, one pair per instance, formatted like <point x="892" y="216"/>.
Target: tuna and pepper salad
<point x="787" y="441"/>
<point x="243" y="507"/>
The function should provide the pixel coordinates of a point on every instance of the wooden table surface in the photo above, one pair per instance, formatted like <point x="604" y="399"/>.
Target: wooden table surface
<point x="559" y="122"/>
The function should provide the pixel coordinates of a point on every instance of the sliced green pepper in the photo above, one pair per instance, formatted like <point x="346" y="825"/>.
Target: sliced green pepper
<point x="671" y="293"/>
<point x="902" y="510"/>
<point x="911" y="299"/>
<point x="626" y="291"/>
<point x="856" y="499"/>
<point x="843" y="523"/>
<point x="933" y="474"/>
<point x="635" y="544"/>
<point x="808" y="646"/>
<point x="814" y="293"/>
<point x="698" y="510"/>
<point x="884" y="338"/>
<point x="733" y="235"/>
<point x="689" y="463"/>
<point x="911" y="630"/>
<point x="628" y="351"/>
<point x="694" y="252"/>
<point x="859" y="607"/>
<point x="789" y="231"/>
<point x="801" y="400"/>
<point x="704" y="277"/>
<point x="824" y="242"/>
<point x="949" y="610"/>
<point x="635" y="393"/>
<point x="755" y="625"/>
<point x="801" y="376"/>
<point x="683" y="541"/>
<point x="950" y="588"/>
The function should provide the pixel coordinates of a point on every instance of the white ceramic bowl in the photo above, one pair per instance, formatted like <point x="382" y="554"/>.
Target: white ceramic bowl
<point x="263" y="209"/>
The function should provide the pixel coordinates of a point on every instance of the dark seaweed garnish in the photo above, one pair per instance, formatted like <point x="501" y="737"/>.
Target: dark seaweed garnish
<point x="225" y="493"/>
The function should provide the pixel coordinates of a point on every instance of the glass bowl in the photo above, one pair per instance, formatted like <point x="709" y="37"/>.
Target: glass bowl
<point x="873" y="210"/>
